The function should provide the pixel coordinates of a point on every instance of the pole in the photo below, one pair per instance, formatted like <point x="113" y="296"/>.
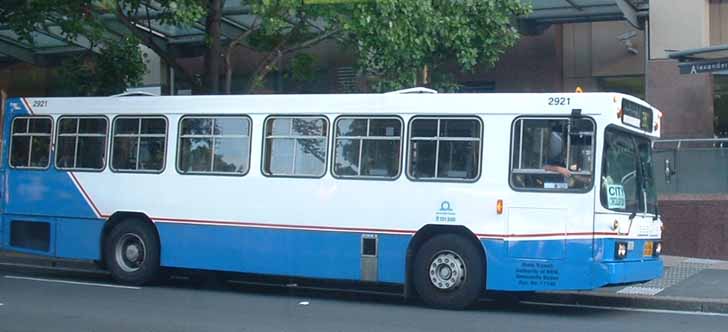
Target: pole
<point x="171" y="81"/>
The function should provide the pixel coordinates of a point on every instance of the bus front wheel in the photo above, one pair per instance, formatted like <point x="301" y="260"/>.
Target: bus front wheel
<point x="132" y="252"/>
<point x="449" y="272"/>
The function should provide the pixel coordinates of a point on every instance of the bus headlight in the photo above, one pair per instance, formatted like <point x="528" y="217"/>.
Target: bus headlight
<point x="658" y="249"/>
<point x="620" y="251"/>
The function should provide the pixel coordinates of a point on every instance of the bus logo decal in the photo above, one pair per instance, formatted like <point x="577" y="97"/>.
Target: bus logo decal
<point x="446" y="213"/>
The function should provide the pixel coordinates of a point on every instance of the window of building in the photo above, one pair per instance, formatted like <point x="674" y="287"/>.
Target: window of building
<point x="214" y="145"/>
<point x="367" y="147"/>
<point x="552" y="154"/>
<point x="139" y="144"/>
<point x="444" y="148"/>
<point x="295" y="146"/>
<point x="81" y="143"/>
<point x="30" y="146"/>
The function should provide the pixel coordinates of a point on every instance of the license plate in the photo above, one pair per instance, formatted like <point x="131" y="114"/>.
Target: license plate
<point x="648" y="248"/>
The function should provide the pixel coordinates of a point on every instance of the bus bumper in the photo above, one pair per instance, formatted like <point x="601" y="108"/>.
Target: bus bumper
<point x="632" y="271"/>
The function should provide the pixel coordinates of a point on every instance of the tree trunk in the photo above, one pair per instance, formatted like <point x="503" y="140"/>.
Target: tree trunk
<point x="212" y="56"/>
<point x="228" y="70"/>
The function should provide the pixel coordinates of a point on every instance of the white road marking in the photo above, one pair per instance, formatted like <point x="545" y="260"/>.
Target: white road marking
<point x="654" y="311"/>
<point x="72" y="282"/>
<point x="54" y="268"/>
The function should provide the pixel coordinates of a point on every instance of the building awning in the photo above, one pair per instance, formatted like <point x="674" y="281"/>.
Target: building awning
<point x="48" y="45"/>
<point x="573" y="11"/>
<point x="702" y="60"/>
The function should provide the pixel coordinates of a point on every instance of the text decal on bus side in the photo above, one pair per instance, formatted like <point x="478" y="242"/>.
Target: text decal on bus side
<point x="615" y="196"/>
<point x="446" y="213"/>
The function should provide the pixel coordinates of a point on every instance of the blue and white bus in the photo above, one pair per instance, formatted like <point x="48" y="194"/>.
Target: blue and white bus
<point x="449" y="195"/>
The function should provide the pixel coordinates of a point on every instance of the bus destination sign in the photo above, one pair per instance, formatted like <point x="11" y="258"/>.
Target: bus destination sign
<point x="636" y="115"/>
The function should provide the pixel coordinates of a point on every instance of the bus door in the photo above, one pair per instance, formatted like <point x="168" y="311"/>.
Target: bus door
<point x="552" y="170"/>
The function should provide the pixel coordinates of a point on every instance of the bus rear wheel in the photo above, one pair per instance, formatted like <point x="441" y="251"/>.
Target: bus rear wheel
<point x="448" y="272"/>
<point x="132" y="252"/>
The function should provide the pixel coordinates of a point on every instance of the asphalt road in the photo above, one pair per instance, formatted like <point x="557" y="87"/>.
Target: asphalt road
<point x="42" y="301"/>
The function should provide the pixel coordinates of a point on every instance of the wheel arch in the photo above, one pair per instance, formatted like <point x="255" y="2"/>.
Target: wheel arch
<point x="117" y="218"/>
<point x="427" y="232"/>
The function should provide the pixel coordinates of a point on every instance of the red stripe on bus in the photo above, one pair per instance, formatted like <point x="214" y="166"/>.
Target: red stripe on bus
<point x="252" y="224"/>
<point x="86" y="195"/>
<point x="325" y="228"/>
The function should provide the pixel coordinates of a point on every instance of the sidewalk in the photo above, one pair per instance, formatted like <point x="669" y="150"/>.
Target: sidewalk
<point x="688" y="284"/>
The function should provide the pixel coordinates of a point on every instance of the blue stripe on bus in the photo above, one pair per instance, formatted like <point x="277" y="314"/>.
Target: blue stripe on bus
<point x="337" y="255"/>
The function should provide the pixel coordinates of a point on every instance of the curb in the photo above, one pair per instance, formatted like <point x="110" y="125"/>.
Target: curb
<point x="634" y="301"/>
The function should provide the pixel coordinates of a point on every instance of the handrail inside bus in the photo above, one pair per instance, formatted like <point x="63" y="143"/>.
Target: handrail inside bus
<point x="411" y="90"/>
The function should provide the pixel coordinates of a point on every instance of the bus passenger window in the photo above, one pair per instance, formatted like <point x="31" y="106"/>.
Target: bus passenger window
<point x="214" y="145"/>
<point x="552" y="154"/>
<point x="367" y="147"/>
<point x="139" y="144"/>
<point x="295" y="146"/>
<point x="444" y="148"/>
<point x="81" y="143"/>
<point x="30" y="145"/>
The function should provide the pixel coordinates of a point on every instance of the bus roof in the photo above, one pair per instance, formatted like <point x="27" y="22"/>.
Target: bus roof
<point x="444" y="104"/>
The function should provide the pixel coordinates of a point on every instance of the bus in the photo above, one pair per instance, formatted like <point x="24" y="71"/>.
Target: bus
<point x="448" y="195"/>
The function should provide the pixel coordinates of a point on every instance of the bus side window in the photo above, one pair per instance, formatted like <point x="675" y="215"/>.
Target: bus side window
<point x="81" y="143"/>
<point x="139" y="144"/>
<point x="30" y="145"/>
<point x="214" y="145"/>
<point x="295" y="146"/>
<point x="446" y="148"/>
<point x="552" y="154"/>
<point x="367" y="147"/>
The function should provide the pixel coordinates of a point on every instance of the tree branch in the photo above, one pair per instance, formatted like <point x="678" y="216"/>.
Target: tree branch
<point x="311" y="42"/>
<point x="266" y="65"/>
<point x="146" y="39"/>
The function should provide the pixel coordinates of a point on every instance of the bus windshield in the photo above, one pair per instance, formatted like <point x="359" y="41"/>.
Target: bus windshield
<point x="628" y="184"/>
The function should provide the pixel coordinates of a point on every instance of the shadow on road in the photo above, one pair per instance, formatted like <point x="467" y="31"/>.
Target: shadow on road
<point x="207" y="281"/>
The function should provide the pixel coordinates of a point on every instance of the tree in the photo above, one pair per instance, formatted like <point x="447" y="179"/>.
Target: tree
<point x="110" y="63"/>
<point x="406" y="42"/>
<point x="281" y="28"/>
<point x="400" y="42"/>
<point x="116" y="67"/>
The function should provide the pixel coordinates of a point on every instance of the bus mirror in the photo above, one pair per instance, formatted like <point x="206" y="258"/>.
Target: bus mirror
<point x="669" y="171"/>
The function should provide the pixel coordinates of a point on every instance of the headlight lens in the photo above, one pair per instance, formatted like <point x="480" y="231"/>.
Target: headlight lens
<point x="620" y="251"/>
<point x="658" y="249"/>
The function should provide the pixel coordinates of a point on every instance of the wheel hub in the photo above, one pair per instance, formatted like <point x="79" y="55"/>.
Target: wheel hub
<point x="447" y="270"/>
<point x="130" y="252"/>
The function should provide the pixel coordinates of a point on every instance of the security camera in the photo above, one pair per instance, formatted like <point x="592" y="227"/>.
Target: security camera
<point x="626" y="39"/>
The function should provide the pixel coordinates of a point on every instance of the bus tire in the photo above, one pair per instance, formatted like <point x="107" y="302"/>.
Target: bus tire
<point x="132" y="252"/>
<point x="449" y="272"/>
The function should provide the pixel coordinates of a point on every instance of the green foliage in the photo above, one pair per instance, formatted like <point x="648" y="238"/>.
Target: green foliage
<point x="395" y="39"/>
<point x="74" y="17"/>
<point x="119" y="65"/>
<point x="302" y="67"/>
